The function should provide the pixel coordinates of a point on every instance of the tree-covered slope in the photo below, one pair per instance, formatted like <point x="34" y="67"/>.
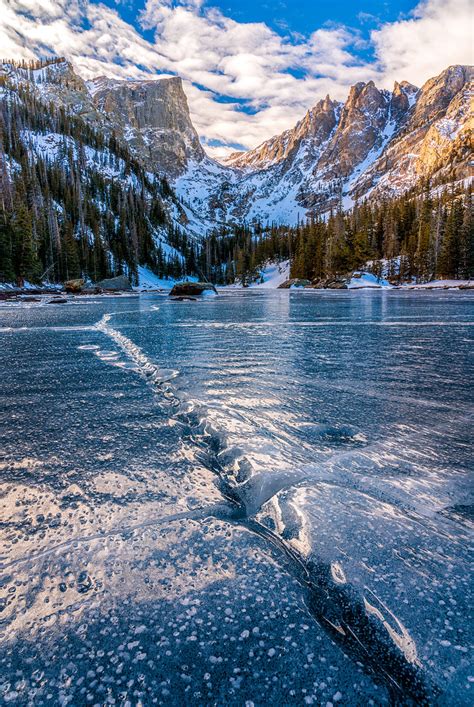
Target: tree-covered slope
<point x="75" y="202"/>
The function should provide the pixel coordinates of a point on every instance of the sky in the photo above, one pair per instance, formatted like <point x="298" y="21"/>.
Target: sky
<point x="250" y="69"/>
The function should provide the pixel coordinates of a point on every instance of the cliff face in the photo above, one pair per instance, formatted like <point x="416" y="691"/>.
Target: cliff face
<point x="435" y="139"/>
<point x="153" y="118"/>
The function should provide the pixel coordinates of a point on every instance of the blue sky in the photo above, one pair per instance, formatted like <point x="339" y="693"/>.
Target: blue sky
<point x="298" y="16"/>
<point x="249" y="70"/>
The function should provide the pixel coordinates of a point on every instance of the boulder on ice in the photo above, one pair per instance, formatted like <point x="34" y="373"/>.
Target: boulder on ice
<point x="74" y="286"/>
<point x="191" y="289"/>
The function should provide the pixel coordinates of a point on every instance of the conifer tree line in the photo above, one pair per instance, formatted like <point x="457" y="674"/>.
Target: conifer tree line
<point x="84" y="208"/>
<point x="422" y="235"/>
<point x="28" y="67"/>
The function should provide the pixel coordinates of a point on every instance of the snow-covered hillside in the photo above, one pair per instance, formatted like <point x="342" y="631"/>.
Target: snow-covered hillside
<point x="378" y="143"/>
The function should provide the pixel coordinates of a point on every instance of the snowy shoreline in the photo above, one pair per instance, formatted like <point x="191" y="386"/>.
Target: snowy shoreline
<point x="272" y="276"/>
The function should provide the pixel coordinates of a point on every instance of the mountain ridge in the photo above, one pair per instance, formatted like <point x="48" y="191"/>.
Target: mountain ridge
<point x="376" y="144"/>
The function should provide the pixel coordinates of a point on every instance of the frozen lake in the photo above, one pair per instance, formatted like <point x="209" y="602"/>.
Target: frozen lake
<point x="260" y="498"/>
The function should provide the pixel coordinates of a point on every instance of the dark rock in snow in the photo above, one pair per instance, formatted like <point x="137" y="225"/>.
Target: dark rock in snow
<point x="294" y="282"/>
<point x="74" y="286"/>
<point x="331" y="283"/>
<point x="115" y="284"/>
<point x="58" y="300"/>
<point x="191" y="289"/>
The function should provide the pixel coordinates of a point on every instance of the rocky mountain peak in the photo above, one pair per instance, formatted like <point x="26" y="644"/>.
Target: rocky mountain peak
<point x="404" y="96"/>
<point x="434" y="135"/>
<point x="56" y="75"/>
<point x="363" y="118"/>
<point x="328" y="103"/>
<point x="405" y="87"/>
<point x="438" y="92"/>
<point x="151" y="116"/>
<point x="317" y="125"/>
<point x="365" y="98"/>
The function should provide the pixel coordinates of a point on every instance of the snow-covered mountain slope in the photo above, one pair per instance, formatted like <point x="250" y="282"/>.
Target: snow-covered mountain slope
<point x="76" y="201"/>
<point x="151" y="117"/>
<point x="378" y="143"/>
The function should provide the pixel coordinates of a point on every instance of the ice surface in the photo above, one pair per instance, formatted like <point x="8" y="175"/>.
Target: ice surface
<point x="260" y="497"/>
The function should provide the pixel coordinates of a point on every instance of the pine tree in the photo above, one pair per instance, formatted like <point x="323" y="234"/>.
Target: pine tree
<point x="27" y="266"/>
<point x="7" y="273"/>
<point x="449" y="260"/>
<point x="71" y="263"/>
<point x="466" y="240"/>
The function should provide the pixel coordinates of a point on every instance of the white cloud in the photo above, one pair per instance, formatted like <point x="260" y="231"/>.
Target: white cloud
<point x="276" y="78"/>
<point x="439" y="33"/>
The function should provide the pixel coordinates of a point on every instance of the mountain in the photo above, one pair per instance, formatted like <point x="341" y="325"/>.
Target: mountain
<point x="136" y="140"/>
<point x="75" y="198"/>
<point x="378" y="143"/>
<point x="152" y="117"/>
<point x="434" y="141"/>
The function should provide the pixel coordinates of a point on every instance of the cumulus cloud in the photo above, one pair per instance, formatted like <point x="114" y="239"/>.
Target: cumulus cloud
<point x="244" y="81"/>
<point x="439" y="33"/>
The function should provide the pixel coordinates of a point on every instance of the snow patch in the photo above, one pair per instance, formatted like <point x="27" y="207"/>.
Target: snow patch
<point x="364" y="280"/>
<point x="441" y="285"/>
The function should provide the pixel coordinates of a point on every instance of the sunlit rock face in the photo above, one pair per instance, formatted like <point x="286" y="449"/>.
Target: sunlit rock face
<point x="363" y="119"/>
<point x="433" y="140"/>
<point x="316" y="126"/>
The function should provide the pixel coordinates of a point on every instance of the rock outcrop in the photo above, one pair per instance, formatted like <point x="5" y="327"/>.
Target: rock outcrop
<point x="115" y="284"/>
<point x="191" y="289"/>
<point x="153" y="118"/>
<point x="74" y="286"/>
